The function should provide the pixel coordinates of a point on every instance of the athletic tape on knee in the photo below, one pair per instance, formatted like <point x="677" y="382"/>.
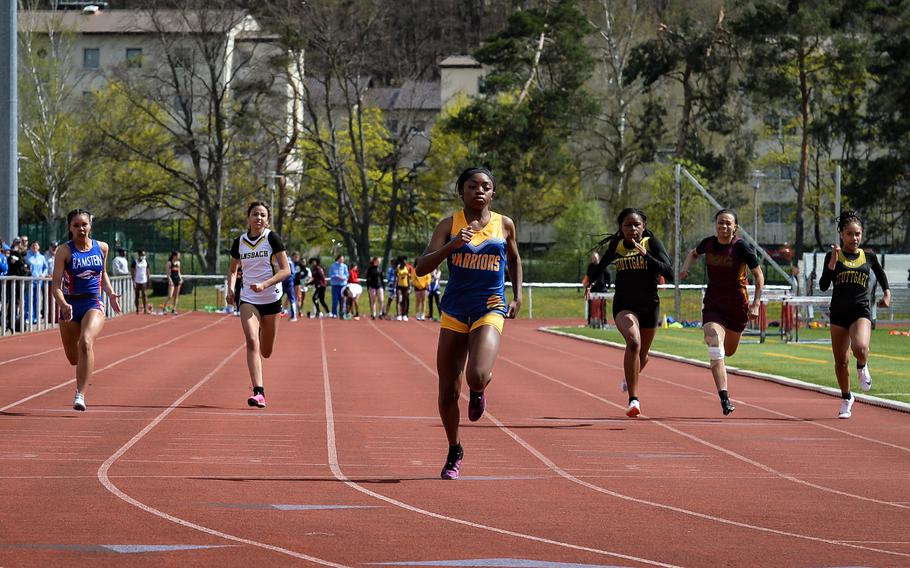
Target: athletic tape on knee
<point x="716" y="353"/>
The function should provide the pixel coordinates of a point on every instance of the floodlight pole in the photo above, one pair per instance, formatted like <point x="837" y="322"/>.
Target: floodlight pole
<point x="9" y="129"/>
<point x="677" y="296"/>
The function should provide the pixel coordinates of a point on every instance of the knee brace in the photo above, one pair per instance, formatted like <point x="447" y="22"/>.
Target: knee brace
<point x="716" y="353"/>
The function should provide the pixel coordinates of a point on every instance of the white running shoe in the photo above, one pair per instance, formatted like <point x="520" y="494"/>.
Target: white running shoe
<point x="79" y="402"/>
<point x="623" y="386"/>
<point x="634" y="409"/>
<point x="845" y="405"/>
<point x="397" y="318"/>
<point x="404" y="318"/>
<point x="865" y="379"/>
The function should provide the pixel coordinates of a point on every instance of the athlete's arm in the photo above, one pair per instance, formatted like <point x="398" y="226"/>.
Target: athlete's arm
<point x="106" y="282"/>
<point x="440" y="246"/>
<point x="231" y="281"/>
<point x="882" y="280"/>
<point x="61" y="259"/>
<point x="514" y="265"/>
<point x="758" y="278"/>
<point x="690" y="258"/>
<point x="658" y="257"/>
<point x="827" y="273"/>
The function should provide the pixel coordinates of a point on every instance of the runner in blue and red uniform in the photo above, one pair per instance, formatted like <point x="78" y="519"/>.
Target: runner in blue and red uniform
<point x="479" y="246"/>
<point x="79" y="279"/>
<point x="847" y="266"/>
<point x="726" y="308"/>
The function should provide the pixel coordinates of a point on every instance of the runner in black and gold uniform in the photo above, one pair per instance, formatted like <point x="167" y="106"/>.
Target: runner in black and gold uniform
<point x="847" y="266"/>
<point x="480" y="246"/>
<point x="640" y="260"/>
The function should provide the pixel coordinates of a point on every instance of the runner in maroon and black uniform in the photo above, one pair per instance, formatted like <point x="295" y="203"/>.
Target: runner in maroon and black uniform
<point x="851" y="319"/>
<point x="726" y="309"/>
<point x="640" y="260"/>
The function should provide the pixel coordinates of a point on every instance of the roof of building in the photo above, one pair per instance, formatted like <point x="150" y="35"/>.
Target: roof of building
<point x="134" y="21"/>
<point x="412" y="95"/>
<point x="459" y="61"/>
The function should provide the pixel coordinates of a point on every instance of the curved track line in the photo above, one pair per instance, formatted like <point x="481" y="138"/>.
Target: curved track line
<point x="340" y="476"/>
<point x="109" y="485"/>
<point x="712" y="445"/>
<point x="566" y="475"/>
<point x="106" y="367"/>
<point x="131" y="330"/>
<point x="706" y="393"/>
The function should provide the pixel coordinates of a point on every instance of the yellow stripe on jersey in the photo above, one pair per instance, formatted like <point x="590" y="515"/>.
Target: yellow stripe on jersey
<point x="492" y="231"/>
<point x="855" y="263"/>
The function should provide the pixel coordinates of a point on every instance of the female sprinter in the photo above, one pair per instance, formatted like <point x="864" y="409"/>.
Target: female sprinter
<point x="640" y="260"/>
<point x="262" y="257"/>
<point x="79" y="278"/>
<point x="848" y="267"/>
<point x="726" y="309"/>
<point x="478" y="246"/>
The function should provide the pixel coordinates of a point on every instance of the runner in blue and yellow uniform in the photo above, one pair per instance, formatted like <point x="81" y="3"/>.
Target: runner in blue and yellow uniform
<point x="79" y="279"/>
<point x="640" y="261"/>
<point x="847" y="267"/>
<point x="479" y="247"/>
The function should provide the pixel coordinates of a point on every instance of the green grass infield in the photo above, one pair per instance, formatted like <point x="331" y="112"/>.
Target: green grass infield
<point x="807" y="361"/>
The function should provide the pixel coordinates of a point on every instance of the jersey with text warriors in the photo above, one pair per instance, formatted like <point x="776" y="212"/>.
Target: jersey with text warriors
<point x="476" y="270"/>
<point x="256" y="256"/>
<point x="82" y="274"/>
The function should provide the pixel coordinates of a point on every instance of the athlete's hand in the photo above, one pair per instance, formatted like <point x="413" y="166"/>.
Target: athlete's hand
<point x="66" y="312"/>
<point x="115" y="302"/>
<point x="257" y="287"/>
<point x="683" y="274"/>
<point x="229" y="298"/>
<point x="641" y="249"/>
<point x="885" y="302"/>
<point x="835" y="252"/>
<point x="754" y="310"/>
<point x="465" y="235"/>
<point x="514" y="307"/>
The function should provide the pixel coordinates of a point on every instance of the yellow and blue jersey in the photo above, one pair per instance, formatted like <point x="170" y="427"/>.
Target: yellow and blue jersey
<point x="477" y="271"/>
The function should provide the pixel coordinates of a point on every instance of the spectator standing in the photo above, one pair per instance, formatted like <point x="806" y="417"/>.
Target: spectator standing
<point x="338" y="277"/>
<point x="392" y="288"/>
<point x="595" y="281"/>
<point x="319" y="286"/>
<point x="121" y="265"/>
<point x="4" y="258"/>
<point x="37" y="267"/>
<point x="403" y="290"/>
<point x="174" y="283"/>
<point x="433" y="292"/>
<point x="290" y="296"/>
<point x="139" y="269"/>
<point x="16" y="267"/>
<point x="301" y="279"/>
<point x="49" y="255"/>
<point x="374" y="285"/>
<point x="421" y="285"/>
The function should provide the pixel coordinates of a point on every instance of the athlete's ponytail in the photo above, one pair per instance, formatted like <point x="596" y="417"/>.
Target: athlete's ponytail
<point x="72" y="215"/>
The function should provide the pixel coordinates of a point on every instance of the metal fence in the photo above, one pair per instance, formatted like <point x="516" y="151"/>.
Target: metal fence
<point x="27" y="304"/>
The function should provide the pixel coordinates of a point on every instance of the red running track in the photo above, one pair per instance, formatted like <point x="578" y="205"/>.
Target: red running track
<point x="169" y="467"/>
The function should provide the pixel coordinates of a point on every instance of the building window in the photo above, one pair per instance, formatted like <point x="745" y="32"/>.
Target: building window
<point x="134" y="57"/>
<point x="183" y="58"/>
<point x="91" y="58"/>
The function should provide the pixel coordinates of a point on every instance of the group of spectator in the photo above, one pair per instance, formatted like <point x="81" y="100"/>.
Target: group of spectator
<point x="24" y="258"/>
<point x="346" y="288"/>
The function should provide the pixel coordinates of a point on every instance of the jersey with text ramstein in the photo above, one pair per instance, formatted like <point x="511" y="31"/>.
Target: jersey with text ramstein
<point x="82" y="274"/>
<point x="257" y="259"/>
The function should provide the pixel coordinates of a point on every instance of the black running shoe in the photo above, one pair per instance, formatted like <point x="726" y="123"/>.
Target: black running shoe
<point x="453" y="463"/>
<point x="727" y="406"/>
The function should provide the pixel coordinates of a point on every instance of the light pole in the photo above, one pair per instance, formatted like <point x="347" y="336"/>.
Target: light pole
<point x="756" y="185"/>
<point x="270" y="182"/>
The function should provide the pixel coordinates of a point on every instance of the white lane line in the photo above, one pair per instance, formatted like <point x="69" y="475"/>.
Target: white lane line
<point x="131" y="330"/>
<point x="336" y="471"/>
<point x="706" y="393"/>
<point x="109" y="485"/>
<point x="562" y="473"/>
<point x="102" y="369"/>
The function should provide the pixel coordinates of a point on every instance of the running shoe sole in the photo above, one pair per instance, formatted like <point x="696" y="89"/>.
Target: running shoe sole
<point x="633" y="411"/>
<point x="256" y="401"/>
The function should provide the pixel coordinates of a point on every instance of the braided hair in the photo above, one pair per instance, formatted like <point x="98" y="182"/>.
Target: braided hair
<point x="610" y="240"/>
<point x="846" y="218"/>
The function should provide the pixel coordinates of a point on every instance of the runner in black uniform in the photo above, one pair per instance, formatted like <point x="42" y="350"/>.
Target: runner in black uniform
<point x="851" y="319"/>
<point x="640" y="260"/>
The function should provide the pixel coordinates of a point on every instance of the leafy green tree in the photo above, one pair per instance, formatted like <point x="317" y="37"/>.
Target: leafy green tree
<point x="792" y="50"/>
<point x="533" y="100"/>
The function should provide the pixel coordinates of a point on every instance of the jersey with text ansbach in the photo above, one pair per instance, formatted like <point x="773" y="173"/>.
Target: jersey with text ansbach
<point x="257" y="259"/>
<point x="851" y="279"/>
<point x="476" y="270"/>
<point x="82" y="274"/>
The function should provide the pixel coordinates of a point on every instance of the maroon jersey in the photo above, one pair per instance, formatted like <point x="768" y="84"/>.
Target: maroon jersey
<point x="726" y="294"/>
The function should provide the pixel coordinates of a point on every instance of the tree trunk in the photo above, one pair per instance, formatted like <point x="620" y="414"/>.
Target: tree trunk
<point x="802" y="182"/>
